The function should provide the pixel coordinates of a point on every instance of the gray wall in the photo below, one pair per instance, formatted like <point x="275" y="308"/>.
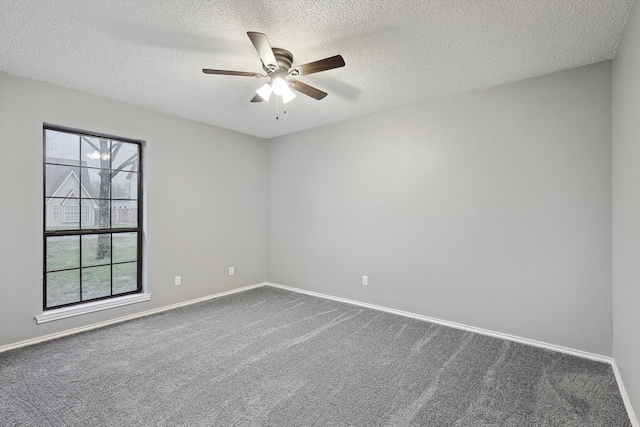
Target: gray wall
<point x="626" y="207"/>
<point x="491" y="209"/>
<point x="206" y="202"/>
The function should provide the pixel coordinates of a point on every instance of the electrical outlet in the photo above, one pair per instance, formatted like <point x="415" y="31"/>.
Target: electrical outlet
<point x="178" y="281"/>
<point x="232" y="271"/>
<point x="365" y="280"/>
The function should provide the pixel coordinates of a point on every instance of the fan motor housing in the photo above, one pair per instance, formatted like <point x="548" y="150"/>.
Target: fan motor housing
<point x="283" y="57"/>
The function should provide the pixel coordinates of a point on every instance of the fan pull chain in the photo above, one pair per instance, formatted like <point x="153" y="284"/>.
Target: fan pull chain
<point x="284" y="108"/>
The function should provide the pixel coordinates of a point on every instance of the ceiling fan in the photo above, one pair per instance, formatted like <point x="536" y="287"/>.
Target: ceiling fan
<point x="277" y="63"/>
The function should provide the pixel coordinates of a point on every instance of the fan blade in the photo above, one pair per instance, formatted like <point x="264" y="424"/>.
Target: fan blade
<point x="263" y="47"/>
<point x="231" y="73"/>
<point x="257" y="98"/>
<point x="321" y="65"/>
<point x="307" y="90"/>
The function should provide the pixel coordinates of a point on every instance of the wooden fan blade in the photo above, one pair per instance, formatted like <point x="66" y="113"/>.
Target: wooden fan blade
<point x="263" y="47"/>
<point x="321" y="65"/>
<point x="230" y="73"/>
<point x="307" y="90"/>
<point x="257" y="98"/>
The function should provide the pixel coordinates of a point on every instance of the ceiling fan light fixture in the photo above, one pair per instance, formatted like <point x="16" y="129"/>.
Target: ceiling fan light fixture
<point x="279" y="85"/>
<point x="96" y="155"/>
<point x="265" y="92"/>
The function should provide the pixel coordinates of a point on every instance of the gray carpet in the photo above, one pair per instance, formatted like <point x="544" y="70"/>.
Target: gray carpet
<point x="269" y="357"/>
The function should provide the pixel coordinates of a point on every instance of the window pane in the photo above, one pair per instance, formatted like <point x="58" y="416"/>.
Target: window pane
<point x="96" y="183"/>
<point x="124" y="185"/>
<point x="53" y="216"/>
<point x="96" y="282"/>
<point x="63" y="252"/>
<point x="96" y="152"/>
<point x="63" y="287"/>
<point x="125" y="247"/>
<point x="126" y="157"/>
<point x="61" y="147"/>
<point x="124" y="214"/>
<point x="62" y="181"/>
<point x="125" y="277"/>
<point x="96" y="249"/>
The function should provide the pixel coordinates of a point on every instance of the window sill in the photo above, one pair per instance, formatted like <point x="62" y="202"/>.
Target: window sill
<point x="90" y="307"/>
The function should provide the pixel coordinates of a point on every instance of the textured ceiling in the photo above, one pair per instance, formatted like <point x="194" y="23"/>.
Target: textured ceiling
<point x="150" y="52"/>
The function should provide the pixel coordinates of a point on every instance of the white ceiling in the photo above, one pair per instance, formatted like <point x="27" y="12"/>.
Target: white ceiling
<point x="397" y="52"/>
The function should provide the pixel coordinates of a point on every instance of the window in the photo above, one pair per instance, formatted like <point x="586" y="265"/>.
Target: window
<point x="71" y="213"/>
<point x="95" y="252"/>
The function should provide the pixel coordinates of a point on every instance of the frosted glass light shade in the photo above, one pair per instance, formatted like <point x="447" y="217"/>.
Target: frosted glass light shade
<point x="279" y="86"/>
<point x="288" y="95"/>
<point x="265" y="92"/>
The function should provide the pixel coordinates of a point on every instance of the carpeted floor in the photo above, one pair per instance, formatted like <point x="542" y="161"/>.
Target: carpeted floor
<point x="269" y="357"/>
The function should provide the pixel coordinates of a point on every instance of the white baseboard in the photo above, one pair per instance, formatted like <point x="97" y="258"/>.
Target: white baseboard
<point x="122" y="319"/>
<point x="625" y="396"/>
<point x="514" y="338"/>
